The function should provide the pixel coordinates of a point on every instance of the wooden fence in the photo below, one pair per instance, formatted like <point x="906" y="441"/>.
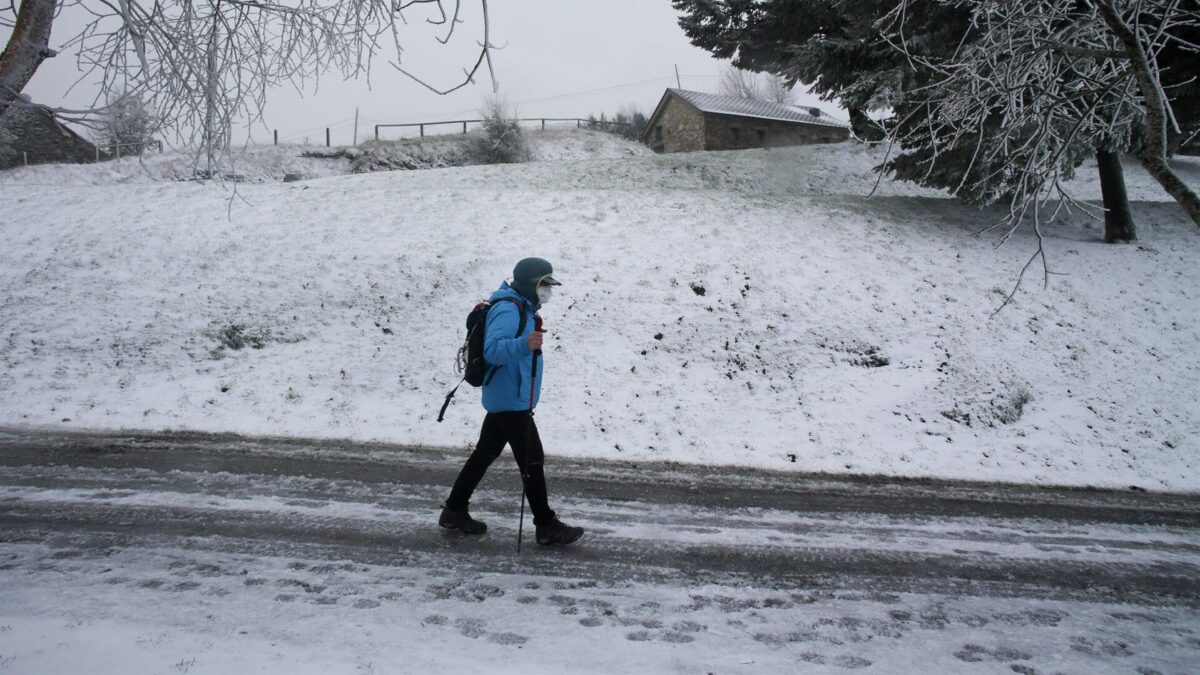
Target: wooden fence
<point x="579" y="123"/>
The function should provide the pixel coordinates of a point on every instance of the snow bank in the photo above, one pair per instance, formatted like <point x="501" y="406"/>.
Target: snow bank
<point x="270" y="163"/>
<point x="749" y="308"/>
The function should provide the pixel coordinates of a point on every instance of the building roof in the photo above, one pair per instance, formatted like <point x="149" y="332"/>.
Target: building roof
<point x="748" y="107"/>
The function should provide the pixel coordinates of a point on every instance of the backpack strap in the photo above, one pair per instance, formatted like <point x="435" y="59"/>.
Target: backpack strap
<point x="520" y="329"/>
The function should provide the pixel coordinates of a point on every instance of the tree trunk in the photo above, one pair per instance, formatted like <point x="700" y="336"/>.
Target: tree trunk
<point x="27" y="47"/>
<point x="1154" y="157"/>
<point x="1118" y="221"/>
<point x="210" y="95"/>
<point x="1170" y="181"/>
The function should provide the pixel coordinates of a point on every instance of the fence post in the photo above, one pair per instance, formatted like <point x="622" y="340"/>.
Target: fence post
<point x="118" y="146"/>
<point x="464" y="126"/>
<point x="276" y="137"/>
<point x="422" y="130"/>
<point x="543" y="124"/>
<point x="327" y="137"/>
<point x="25" y="156"/>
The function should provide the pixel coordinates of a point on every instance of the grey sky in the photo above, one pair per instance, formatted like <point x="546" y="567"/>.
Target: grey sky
<point x="563" y="58"/>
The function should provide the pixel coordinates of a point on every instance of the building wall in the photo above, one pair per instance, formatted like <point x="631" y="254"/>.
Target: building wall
<point x="750" y="132"/>
<point x="682" y="128"/>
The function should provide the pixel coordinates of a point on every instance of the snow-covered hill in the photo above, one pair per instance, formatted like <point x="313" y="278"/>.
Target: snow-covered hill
<point x="749" y="308"/>
<point x="270" y="163"/>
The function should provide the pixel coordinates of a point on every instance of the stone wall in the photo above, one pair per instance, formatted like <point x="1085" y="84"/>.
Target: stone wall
<point x="727" y="132"/>
<point x="34" y="131"/>
<point x="680" y="128"/>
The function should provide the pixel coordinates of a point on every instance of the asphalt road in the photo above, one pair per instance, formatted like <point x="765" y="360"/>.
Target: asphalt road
<point x="378" y="504"/>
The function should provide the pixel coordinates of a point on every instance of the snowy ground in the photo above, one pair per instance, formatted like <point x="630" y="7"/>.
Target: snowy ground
<point x="150" y="555"/>
<point x="748" y="308"/>
<point x="176" y="610"/>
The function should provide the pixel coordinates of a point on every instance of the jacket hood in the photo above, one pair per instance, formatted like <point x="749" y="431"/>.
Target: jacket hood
<point x="506" y="291"/>
<point x="528" y="273"/>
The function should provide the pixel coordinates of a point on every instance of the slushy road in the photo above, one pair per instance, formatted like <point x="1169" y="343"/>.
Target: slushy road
<point x="683" y="568"/>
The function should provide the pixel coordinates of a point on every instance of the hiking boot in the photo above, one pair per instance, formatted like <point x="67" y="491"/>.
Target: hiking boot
<point x="462" y="521"/>
<point x="557" y="532"/>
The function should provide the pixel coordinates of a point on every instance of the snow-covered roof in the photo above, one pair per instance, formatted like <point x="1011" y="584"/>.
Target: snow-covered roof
<point x="750" y="107"/>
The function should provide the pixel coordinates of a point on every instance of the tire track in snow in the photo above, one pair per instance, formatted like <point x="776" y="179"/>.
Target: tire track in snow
<point x="383" y="512"/>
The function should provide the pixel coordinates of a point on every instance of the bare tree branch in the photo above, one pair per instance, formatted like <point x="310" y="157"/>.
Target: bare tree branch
<point x="204" y="66"/>
<point x="485" y="56"/>
<point x="1040" y="85"/>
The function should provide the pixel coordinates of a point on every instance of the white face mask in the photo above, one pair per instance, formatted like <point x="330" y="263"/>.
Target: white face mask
<point x="544" y="294"/>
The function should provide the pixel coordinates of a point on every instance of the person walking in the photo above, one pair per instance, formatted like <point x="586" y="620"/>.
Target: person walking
<point x="511" y="389"/>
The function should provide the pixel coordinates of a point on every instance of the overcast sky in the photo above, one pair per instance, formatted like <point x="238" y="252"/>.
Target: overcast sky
<point x="560" y="58"/>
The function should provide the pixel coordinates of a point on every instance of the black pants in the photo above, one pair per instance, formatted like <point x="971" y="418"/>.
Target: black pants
<point x="499" y="429"/>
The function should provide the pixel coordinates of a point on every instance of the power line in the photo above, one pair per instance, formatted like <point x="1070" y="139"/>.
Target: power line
<point x="571" y="94"/>
<point x="597" y="90"/>
<point x="555" y="97"/>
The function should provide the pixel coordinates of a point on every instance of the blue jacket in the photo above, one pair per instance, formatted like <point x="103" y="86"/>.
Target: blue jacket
<point x="506" y="386"/>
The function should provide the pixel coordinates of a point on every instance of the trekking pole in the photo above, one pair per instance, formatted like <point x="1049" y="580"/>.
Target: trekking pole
<point x="521" y="524"/>
<point x="528" y="444"/>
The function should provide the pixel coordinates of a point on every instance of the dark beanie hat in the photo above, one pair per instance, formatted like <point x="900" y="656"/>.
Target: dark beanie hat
<point x="529" y="274"/>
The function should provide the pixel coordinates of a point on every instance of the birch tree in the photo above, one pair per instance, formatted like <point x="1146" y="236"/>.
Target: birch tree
<point x="777" y="89"/>
<point x="739" y="83"/>
<point x="734" y="81"/>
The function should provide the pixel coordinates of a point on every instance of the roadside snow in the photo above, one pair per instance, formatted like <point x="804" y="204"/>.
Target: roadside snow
<point x="750" y="308"/>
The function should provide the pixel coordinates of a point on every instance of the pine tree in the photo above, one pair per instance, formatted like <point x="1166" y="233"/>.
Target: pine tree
<point x="830" y="46"/>
<point x="839" y="50"/>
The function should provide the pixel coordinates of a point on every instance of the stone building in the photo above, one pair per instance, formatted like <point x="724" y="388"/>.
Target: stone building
<point x="30" y="133"/>
<point x="686" y="121"/>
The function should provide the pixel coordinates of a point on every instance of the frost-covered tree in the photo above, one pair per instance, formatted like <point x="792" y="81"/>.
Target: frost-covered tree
<point x="205" y="65"/>
<point x="628" y="122"/>
<point x="841" y="51"/>
<point x="777" y="89"/>
<point x="500" y="140"/>
<point x="734" y="81"/>
<point x="1040" y="86"/>
<point x="129" y="126"/>
<point x="633" y="121"/>
<point x="739" y="83"/>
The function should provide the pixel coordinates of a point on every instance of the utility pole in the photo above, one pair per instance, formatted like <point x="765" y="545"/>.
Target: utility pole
<point x="355" y="125"/>
<point x="677" y="84"/>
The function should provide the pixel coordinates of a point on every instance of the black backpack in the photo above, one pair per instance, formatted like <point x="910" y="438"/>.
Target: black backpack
<point x="469" y="361"/>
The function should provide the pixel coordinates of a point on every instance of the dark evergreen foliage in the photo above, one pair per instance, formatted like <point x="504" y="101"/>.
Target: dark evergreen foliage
<point x="832" y="47"/>
<point x="836" y="48"/>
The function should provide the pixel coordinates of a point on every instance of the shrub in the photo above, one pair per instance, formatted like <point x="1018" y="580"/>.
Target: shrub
<point x="129" y="123"/>
<point x="500" y="140"/>
<point x="629" y="122"/>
